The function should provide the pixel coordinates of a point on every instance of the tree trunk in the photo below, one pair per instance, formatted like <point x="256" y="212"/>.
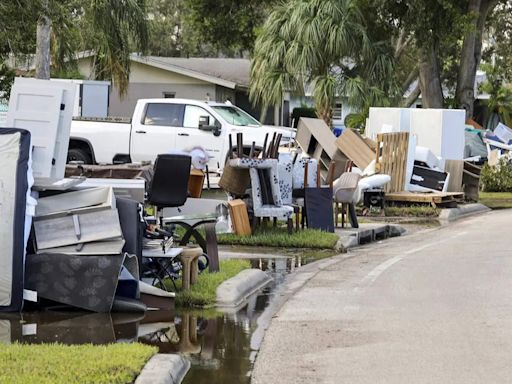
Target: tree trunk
<point x="44" y="25"/>
<point x="324" y="112"/>
<point x="430" y="79"/>
<point x="412" y="97"/>
<point x="471" y="55"/>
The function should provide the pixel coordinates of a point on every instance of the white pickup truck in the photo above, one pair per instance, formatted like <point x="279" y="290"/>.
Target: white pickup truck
<point x="161" y="125"/>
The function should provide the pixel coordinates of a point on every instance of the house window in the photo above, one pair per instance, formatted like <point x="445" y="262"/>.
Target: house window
<point x="169" y="95"/>
<point x="337" y="111"/>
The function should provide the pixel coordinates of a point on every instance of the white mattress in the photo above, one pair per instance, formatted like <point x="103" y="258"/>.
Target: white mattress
<point x="9" y="154"/>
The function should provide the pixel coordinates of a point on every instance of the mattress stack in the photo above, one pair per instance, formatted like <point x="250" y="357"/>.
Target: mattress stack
<point x="14" y="186"/>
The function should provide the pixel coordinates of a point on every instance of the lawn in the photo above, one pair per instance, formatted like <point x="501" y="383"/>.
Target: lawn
<point x="496" y="200"/>
<point x="412" y="211"/>
<point x="204" y="293"/>
<point x="68" y="364"/>
<point x="279" y="237"/>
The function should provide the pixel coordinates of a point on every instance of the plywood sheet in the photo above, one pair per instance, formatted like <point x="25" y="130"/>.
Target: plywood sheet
<point x="352" y="145"/>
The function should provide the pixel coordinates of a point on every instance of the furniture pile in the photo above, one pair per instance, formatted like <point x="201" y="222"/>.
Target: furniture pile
<point x="78" y="241"/>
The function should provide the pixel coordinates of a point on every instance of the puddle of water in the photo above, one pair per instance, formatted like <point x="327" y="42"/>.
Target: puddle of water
<point x="217" y="344"/>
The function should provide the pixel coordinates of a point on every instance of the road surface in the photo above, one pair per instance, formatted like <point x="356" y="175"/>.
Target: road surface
<point x="432" y="307"/>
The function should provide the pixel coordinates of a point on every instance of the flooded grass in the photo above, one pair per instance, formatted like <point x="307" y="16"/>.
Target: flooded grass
<point x="279" y="237"/>
<point x="203" y="293"/>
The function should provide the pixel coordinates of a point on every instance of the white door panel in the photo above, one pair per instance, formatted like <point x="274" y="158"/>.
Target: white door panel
<point x="45" y="108"/>
<point x="37" y="110"/>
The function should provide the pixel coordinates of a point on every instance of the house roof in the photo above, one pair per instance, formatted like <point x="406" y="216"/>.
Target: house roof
<point x="229" y="73"/>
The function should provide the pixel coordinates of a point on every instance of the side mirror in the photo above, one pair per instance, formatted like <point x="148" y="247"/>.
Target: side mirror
<point x="204" y="122"/>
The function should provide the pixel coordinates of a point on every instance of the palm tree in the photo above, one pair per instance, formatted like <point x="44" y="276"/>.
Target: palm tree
<point x="110" y="28"/>
<point x="322" y="43"/>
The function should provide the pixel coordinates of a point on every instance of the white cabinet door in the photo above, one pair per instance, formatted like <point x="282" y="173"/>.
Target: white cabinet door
<point x="44" y="108"/>
<point x="37" y="110"/>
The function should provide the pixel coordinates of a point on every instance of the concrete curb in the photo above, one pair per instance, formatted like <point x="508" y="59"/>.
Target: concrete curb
<point x="369" y="235"/>
<point x="164" y="369"/>
<point x="452" y="214"/>
<point x="232" y="292"/>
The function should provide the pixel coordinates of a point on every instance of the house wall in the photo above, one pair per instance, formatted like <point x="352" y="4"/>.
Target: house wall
<point x="149" y="82"/>
<point x="125" y="106"/>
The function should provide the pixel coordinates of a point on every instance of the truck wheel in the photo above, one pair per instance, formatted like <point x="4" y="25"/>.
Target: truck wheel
<point x="76" y="154"/>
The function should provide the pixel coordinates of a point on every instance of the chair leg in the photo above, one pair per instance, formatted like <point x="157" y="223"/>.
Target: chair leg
<point x="290" y="225"/>
<point x="336" y="212"/>
<point x="296" y="211"/>
<point x="352" y="216"/>
<point x="274" y="224"/>
<point x="342" y="215"/>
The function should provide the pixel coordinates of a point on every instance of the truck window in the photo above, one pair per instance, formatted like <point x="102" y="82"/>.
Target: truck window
<point x="192" y="113"/>
<point x="236" y="116"/>
<point x="164" y="114"/>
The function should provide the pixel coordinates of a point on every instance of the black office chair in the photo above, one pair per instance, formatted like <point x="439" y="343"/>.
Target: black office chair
<point x="169" y="186"/>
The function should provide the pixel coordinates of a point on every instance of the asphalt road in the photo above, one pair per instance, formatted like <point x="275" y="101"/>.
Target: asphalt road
<point x="433" y="307"/>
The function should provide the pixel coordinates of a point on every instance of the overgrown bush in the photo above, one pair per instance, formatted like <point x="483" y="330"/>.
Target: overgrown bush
<point x="498" y="178"/>
<point x="299" y="112"/>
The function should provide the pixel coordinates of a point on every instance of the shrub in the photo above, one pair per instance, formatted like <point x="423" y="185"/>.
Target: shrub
<point x="302" y="112"/>
<point x="498" y="178"/>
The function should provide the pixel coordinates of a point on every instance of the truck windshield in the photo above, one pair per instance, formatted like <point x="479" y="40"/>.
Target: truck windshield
<point x="236" y="116"/>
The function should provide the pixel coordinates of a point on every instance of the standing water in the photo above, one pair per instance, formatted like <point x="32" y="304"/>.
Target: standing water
<point x="217" y="344"/>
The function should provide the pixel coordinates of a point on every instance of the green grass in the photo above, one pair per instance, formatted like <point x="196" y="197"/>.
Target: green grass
<point x="279" y="237"/>
<point x="203" y="293"/>
<point x="412" y="211"/>
<point x="496" y="200"/>
<point x="57" y="363"/>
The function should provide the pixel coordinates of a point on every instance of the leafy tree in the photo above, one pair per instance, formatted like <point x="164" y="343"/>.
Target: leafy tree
<point x="500" y="96"/>
<point x="324" y="44"/>
<point x="228" y="26"/>
<point x="111" y="28"/>
<point x="6" y="81"/>
<point x="448" y="37"/>
<point x="165" y="28"/>
<point x="499" y="34"/>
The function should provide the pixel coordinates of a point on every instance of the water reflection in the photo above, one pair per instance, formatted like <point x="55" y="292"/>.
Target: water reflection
<point x="217" y="344"/>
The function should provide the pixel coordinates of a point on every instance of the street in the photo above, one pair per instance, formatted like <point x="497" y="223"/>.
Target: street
<point x="431" y="307"/>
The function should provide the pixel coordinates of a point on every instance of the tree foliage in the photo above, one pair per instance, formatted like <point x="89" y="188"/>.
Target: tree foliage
<point x="227" y="26"/>
<point x="499" y="33"/>
<point x="324" y="44"/>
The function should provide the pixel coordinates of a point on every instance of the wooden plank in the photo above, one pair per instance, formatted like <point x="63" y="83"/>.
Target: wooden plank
<point x="239" y="217"/>
<point x="352" y="145"/>
<point x="455" y="168"/>
<point x="436" y="197"/>
<point x="393" y="158"/>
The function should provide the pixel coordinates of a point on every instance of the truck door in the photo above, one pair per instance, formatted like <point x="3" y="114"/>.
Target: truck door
<point x="193" y="133"/>
<point x="156" y="132"/>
